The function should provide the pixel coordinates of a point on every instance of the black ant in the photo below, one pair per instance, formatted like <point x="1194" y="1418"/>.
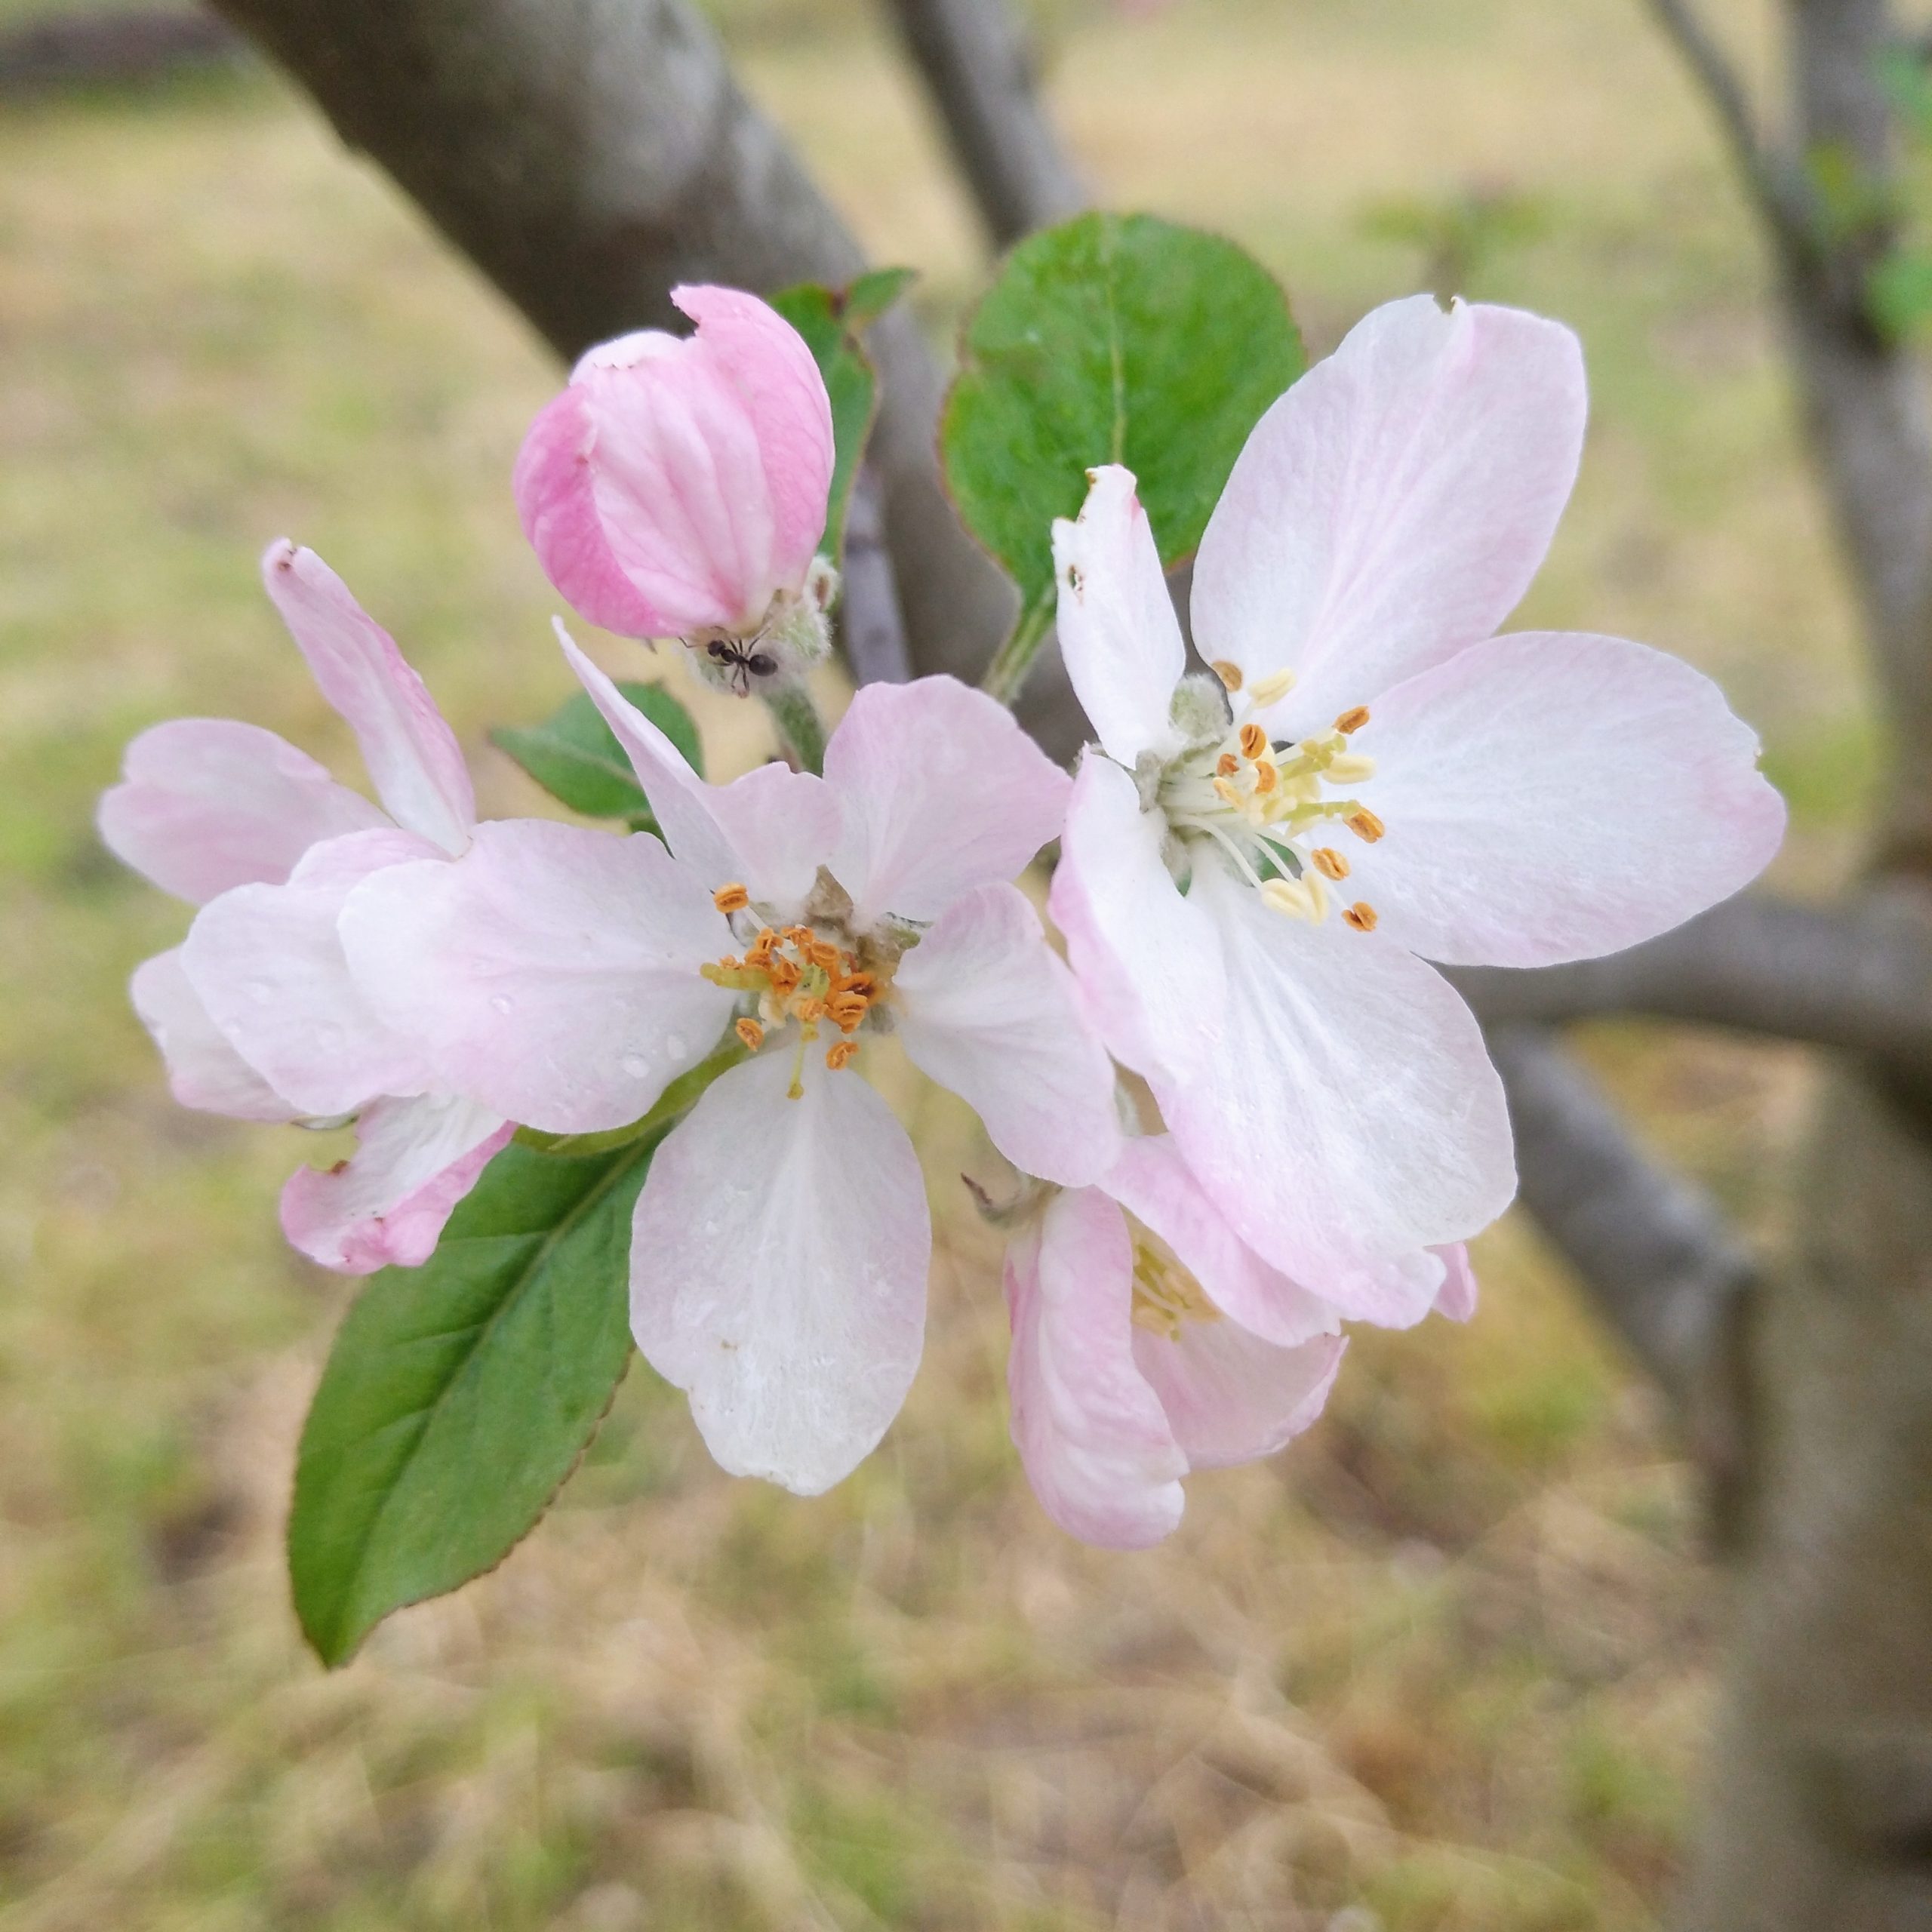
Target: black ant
<point x="746" y="663"/>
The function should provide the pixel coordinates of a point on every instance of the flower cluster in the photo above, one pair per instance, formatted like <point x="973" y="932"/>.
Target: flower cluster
<point x="1262" y="865"/>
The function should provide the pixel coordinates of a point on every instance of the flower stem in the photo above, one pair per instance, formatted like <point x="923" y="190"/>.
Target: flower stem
<point x="1007" y="673"/>
<point x="799" y="725"/>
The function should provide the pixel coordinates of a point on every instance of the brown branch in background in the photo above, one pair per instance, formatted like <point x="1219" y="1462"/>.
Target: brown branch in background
<point x="1857" y="977"/>
<point x="93" y="50"/>
<point x="979" y="71"/>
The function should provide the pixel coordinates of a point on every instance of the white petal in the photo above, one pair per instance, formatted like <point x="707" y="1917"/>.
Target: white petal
<point x="1393" y="506"/>
<point x="1550" y="796"/>
<point x="551" y="973"/>
<point x="203" y="1071"/>
<point x="1346" y="1116"/>
<point x="1118" y="634"/>
<point x="778" y="1270"/>
<point x="989" y="1010"/>
<point x="267" y="963"/>
<point x="941" y="792"/>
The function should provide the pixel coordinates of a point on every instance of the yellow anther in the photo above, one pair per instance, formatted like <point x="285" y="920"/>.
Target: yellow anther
<point x="1350" y="768"/>
<point x="839" y="1053"/>
<point x="1227" y="764"/>
<point x="1265" y="776"/>
<point x="1364" y="825"/>
<point x="751" y="1032"/>
<point x="1361" y="915"/>
<point x="1271" y="689"/>
<point x="1353" y="719"/>
<point x="1226" y="793"/>
<point x="1303" y="898"/>
<point x="1229" y="673"/>
<point x="1329" y="863"/>
<point x="846" y="1010"/>
<point x="731" y="898"/>
<point x="1165" y="1295"/>
<point x="1253" y="740"/>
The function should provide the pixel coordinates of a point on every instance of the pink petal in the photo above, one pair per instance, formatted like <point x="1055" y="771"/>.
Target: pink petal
<point x="677" y="484"/>
<point x="986" y="1007"/>
<point x="1118" y="631"/>
<point x="386" y="1208"/>
<point x="1090" y="1431"/>
<point x="941" y="791"/>
<point x="267" y="963"/>
<point x="769" y="831"/>
<point x="1156" y="1187"/>
<point x="412" y="755"/>
<point x="1393" y="506"/>
<point x="550" y="974"/>
<point x="207" y="803"/>
<point x="778" y="1270"/>
<point x="1552" y="795"/>
<point x="1147" y="959"/>
<point x="1457" y="1297"/>
<point x="1345" y="1116"/>
<point x="203" y="1071"/>
<point x="1230" y="1397"/>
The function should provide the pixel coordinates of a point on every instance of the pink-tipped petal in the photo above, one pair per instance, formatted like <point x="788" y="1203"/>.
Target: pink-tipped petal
<point x="203" y="1071"/>
<point x="1552" y="796"/>
<point x="1456" y="1298"/>
<point x="1156" y="1187"/>
<point x="412" y="755"/>
<point x="386" y="1207"/>
<point x="769" y="831"/>
<point x="266" y="961"/>
<point x="1118" y="634"/>
<point x="678" y="485"/>
<point x="207" y="803"/>
<point x="1147" y="960"/>
<point x="778" y="1269"/>
<point x="1345" y="1116"/>
<point x="987" y="1008"/>
<point x="550" y="974"/>
<point x="1090" y="1431"/>
<point x="1228" y="1396"/>
<point x="1393" y="506"/>
<point x="941" y="792"/>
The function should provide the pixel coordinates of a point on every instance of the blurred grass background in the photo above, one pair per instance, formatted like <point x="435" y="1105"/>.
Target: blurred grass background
<point x="1445" y="1666"/>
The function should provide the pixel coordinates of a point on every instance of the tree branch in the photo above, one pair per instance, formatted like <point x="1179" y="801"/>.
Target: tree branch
<point x="978" y="70"/>
<point x="1858" y="978"/>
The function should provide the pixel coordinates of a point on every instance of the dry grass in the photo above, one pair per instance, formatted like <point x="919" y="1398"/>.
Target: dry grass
<point x="1444" y="1666"/>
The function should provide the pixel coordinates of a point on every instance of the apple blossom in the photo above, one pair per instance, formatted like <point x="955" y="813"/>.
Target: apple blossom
<point x="563" y="977"/>
<point x="255" y="1014"/>
<point x="677" y="488"/>
<point x="1256" y="869"/>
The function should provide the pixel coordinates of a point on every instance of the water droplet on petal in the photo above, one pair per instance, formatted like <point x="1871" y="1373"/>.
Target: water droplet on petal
<point x="259" y="991"/>
<point x="501" y="1002"/>
<point x="635" y="1065"/>
<point x="674" y="1045"/>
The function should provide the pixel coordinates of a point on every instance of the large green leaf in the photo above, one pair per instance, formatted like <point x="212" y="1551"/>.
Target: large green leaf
<point x="1111" y="339"/>
<point x="832" y="321"/>
<point x="575" y="756"/>
<point x="460" y="1394"/>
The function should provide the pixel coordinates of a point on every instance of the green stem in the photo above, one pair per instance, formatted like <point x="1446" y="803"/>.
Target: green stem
<point x="1007" y="673"/>
<point x="799" y="724"/>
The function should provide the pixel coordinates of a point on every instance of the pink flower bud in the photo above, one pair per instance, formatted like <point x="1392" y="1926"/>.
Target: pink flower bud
<point x="679" y="484"/>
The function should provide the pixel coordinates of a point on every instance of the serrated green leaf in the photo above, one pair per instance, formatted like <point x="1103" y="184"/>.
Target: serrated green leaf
<point x="1111" y="339"/>
<point x="459" y="1396"/>
<point x="575" y="756"/>
<point x="830" y="320"/>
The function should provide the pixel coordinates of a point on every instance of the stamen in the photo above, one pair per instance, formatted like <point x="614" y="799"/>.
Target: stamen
<point x="1226" y="793"/>
<point x="1253" y="740"/>
<point x="1353" y="719"/>
<point x="1303" y="898"/>
<point x="1361" y="915"/>
<point x="732" y="898"/>
<point x="1227" y="764"/>
<point x="1364" y="825"/>
<point x="1329" y="863"/>
<point x="1229" y="672"/>
<point x="1350" y="768"/>
<point x="1265" y="776"/>
<point x="1272" y="689"/>
<point x="846" y="1009"/>
<point x="751" y="1032"/>
<point x="840" y="1053"/>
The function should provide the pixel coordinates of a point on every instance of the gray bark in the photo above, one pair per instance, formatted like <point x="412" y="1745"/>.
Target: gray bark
<point x="589" y="156"/>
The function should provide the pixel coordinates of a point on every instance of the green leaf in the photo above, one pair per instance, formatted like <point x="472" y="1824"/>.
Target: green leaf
<point x="575" y="756"/>
<point x="1111" y="339"/>
<point x="831" y="321"/>
<point x="1898" y="292"/>
<point x="460" y="1394"/>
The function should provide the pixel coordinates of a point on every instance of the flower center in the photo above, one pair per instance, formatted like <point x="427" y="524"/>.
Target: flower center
<point x="794" y="973"/>
<point x="1166" y="1297"/>
<point x="1266" y="805"/>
